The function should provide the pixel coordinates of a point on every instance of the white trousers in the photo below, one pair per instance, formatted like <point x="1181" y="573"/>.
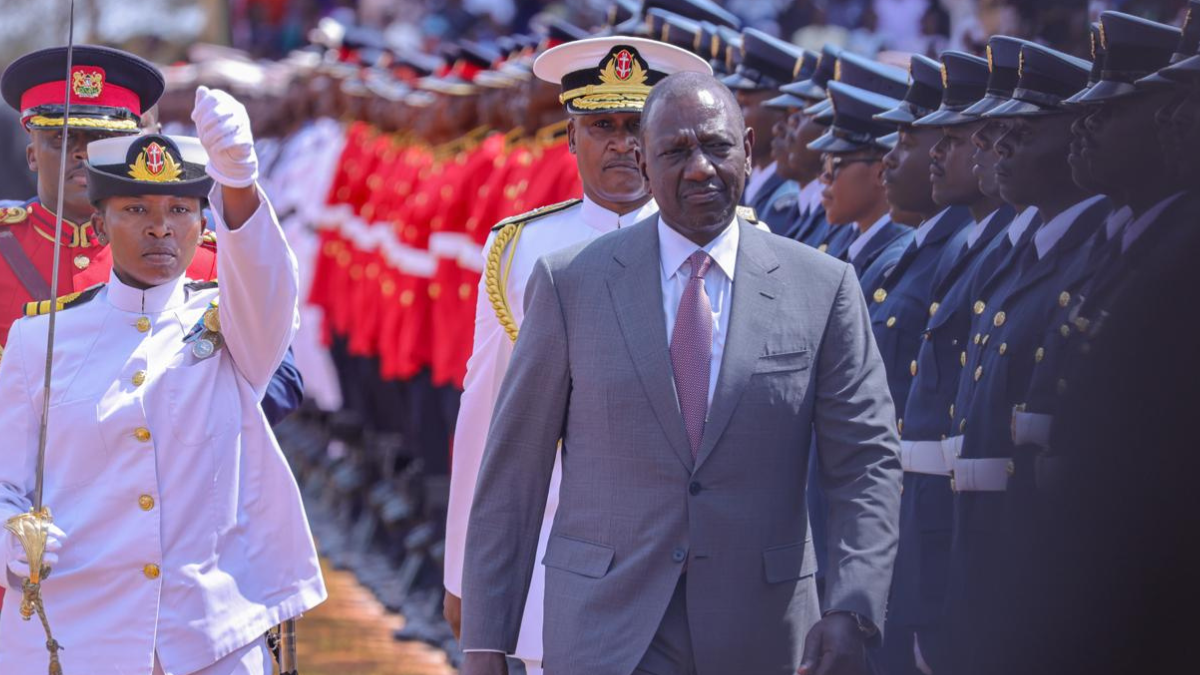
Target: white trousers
<point x="253" y="659"/>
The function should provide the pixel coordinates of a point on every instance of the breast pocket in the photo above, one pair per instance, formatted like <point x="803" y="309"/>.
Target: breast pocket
<point x="783" y="362"/>
<point x="203" y="396"/>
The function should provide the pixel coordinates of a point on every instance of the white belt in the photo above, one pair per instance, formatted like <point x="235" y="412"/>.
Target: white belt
<point x="923" y="457"/>
<point x="1031" y="428"/>
<point x="974" y="475"/>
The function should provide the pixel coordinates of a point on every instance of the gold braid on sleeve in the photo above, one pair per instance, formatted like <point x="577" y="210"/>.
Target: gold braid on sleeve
<point x="495" y="279"/>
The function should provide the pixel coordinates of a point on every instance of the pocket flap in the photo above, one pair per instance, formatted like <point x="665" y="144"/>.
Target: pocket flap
<point x="578" y="556"/>
<point x="773" y="363"/>
<point x="786" y="563"/>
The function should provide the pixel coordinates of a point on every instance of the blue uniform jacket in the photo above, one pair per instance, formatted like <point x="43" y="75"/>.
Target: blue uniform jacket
<point x="888" y="234"/>
<point x="285" y="392"/>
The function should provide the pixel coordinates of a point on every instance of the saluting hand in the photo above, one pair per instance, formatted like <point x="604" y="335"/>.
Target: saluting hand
<point x="223" y="127"/>
<point x="18" y="562"/>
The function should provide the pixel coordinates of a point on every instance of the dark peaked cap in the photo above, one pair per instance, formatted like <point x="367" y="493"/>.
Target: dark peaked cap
<point x="1133" y="48"/>
<point x="1189" y="44"/>
<point x="924" y="92"/>
<point x="805" y="67"/>
<point x="767" y="62"/>
<point x="854" y="127"/>
<point x="1004" y="61"/>
<point x="813" y="88"/>
<point x="1048" y="78"/>
<point x="966" y="78"/>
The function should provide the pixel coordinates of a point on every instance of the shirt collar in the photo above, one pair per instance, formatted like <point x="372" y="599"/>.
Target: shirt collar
<point x="150" y="301"/>
<point x="758" y="178"/>
<point x="1117" y="220"/>
<point x="861" y="241"/>
<point x="810" y="195"/>
<point x="602" y="220"/>
<point x="1021" y="223"/>
<point x="977" y="229"/>
<point x="1144" y="221"/>
<point x="927" y="226"/>
<point x="674" y="249"/>
<point x="1049" y="234"/>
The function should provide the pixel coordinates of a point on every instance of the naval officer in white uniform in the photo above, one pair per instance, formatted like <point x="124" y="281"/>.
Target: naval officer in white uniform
<point x="179" y="537"/>
<point x="605" y="82"/>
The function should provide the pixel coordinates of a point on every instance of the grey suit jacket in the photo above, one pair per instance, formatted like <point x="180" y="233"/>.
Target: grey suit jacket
<point x="592" y="367"/>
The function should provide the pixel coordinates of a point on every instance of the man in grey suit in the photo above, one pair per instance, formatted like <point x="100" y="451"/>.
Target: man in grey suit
<point x="685" y="362"/>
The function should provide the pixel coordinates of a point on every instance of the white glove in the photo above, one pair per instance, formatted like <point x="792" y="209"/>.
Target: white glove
<point x="224" y="130"/>
<point x="14" y="553"/>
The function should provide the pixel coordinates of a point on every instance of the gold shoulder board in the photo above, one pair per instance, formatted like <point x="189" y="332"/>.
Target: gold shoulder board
<point x="747" y="214"/>
<point x="64" y="302"/>
<point x="11" y="215"/>
<point x="539" y="212"/>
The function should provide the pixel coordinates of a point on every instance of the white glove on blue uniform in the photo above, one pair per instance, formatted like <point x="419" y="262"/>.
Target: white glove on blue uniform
<point x="14" y="554"/>
<point x="223" y="128"/>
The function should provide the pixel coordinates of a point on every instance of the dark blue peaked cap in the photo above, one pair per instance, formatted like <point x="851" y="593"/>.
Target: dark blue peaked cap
<point x="863" y="73"/>
<point x="966" y="79"/>
<point x="1004" y="61"/>
<point x="854" y="126"/>
<point x="1048" y="78"/>
<point x="767" y="62"/>
<point x="1133" y="48"/>
<point x="805" y="67"/>
<point x="813" y="88"/>
<point x="924" y="92"/>
<point x="1189" y="45"/>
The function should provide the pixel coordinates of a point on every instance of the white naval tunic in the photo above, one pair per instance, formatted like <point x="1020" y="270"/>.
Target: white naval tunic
<point x="185" y="535"/>
<point x="490" y="354"/>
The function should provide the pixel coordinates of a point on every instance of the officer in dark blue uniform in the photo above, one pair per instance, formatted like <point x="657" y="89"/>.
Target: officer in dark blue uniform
<point x="790" y="149"/>
<point x="919" y="579"/>
<point x="1016" y="303"/>
<point x="767" y="64"/>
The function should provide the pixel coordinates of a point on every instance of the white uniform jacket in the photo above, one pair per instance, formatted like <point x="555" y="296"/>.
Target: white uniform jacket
<point x="185" y="534"/>
<point x="490" y="354"/>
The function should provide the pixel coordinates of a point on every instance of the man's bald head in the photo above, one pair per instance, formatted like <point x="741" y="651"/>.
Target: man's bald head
<point x="695" y="153"/>
<point x="692" y="89"/>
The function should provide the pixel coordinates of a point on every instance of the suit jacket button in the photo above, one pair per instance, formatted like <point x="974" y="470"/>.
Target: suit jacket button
<point x="679" y="555"/>
<point x="695" y="488"/>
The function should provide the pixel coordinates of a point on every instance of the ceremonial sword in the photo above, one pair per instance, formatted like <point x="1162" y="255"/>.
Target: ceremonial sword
<point x="33" y="528"/>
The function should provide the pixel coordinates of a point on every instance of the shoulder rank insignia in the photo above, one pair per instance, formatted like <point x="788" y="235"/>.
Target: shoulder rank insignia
<point x="64" y="302"/>
<point x="495" y="278"/>
<point x="200" y="285"/>
<point x="747" y="214"/>
<point x="11" y="215"/>
<point x="209" y="240"/>
<point x="539" y="212"/>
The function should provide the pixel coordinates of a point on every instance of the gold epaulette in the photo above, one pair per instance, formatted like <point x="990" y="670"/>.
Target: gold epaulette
<point x="747" y="214"/>
<point x="64" y="302"/>
<point x="209" y="239"/>
<point x="11" y="215"/>
<point x="495" y="279"/>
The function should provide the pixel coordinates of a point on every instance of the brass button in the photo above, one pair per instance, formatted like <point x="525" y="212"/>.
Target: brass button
<point x="435" y="290"/>
<point x="1082" y="324"/>
<point x="143" y="324"/>
<point x="823" y="247"/>
<point x="979" y="307"/>
<point x="82" y="262"/>
<point x="880" y="295"/>
<point x="1064" y="299"/>
<point x="891" y="321"/>
<point x="464" y="291"/>
<point x="978" y="372"/>
<point x="933" y="308"/>
<point x="962" y="426"/>
<point x="142" y="434"/>
<point x="151" y="571"/>
<point x="139" y="378"/>
<point x="962" y="358"/>
<point x="951" y="411"/>
<point x="1003" y="348"/>
<point x="146" y="502"/>
<point x="406" y="298"/>
<point x="998" y="320"/>
<point x="912" y="368"/>
<point x="1039" y="355"/>
<point x="985" y="339"/>
<point x="1010" y="468"/>
<point x="978" y="336"/>
<point x="1065" y="330"/>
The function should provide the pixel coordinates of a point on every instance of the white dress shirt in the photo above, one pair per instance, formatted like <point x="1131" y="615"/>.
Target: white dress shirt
<point x="927" y="226"/>
<point x="758" y="178"/>
<point x="861" y="242"/>
<point x="186" y="538"/>
<point x="1050" y="233"/>
<point x="674" y="250"/>
<point x="1116" y="222"/>
<point x="1144" y="221"/>
<point x="1021" y="223"/>
<point x="977" y="229"/>
<point x="810" y="196"/>
<point x="490" y="353"/>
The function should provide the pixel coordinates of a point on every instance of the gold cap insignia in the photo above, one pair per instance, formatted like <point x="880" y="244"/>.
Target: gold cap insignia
<point x="155" y="165"/>
<point x="87" y="83"/>
<point x="945" y="76"/>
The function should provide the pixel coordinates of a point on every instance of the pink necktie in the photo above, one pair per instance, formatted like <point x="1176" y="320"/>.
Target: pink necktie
<point x="691" y="350"/>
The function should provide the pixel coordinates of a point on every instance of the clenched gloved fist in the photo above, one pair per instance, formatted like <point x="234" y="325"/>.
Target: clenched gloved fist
<point x="14" y="554"/>
<point x="224" y="130"/>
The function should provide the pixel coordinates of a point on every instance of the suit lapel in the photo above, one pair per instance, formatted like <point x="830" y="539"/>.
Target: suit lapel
<point x="754" y="297"/>
<point x="635" y="285"/>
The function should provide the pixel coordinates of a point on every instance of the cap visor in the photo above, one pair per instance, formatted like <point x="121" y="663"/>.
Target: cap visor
<point x="888" y="142"/>
<point x="1156" y="82"/>
<point x="1187" y="70"/>
<point x="820" y="108"/>
<point x="786" y="101"/>
<point x="804" y="89"/>
<point x="945" y="118"/>
<point x="1107" y="90"/>
<point x="1015" y="108"/>
<point x="739" y="81"/>
<point x="895" y="116"/>
<point x="827" y="142"/>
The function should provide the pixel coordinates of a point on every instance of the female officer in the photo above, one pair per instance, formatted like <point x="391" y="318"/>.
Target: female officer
<point x="179" y="537"/>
